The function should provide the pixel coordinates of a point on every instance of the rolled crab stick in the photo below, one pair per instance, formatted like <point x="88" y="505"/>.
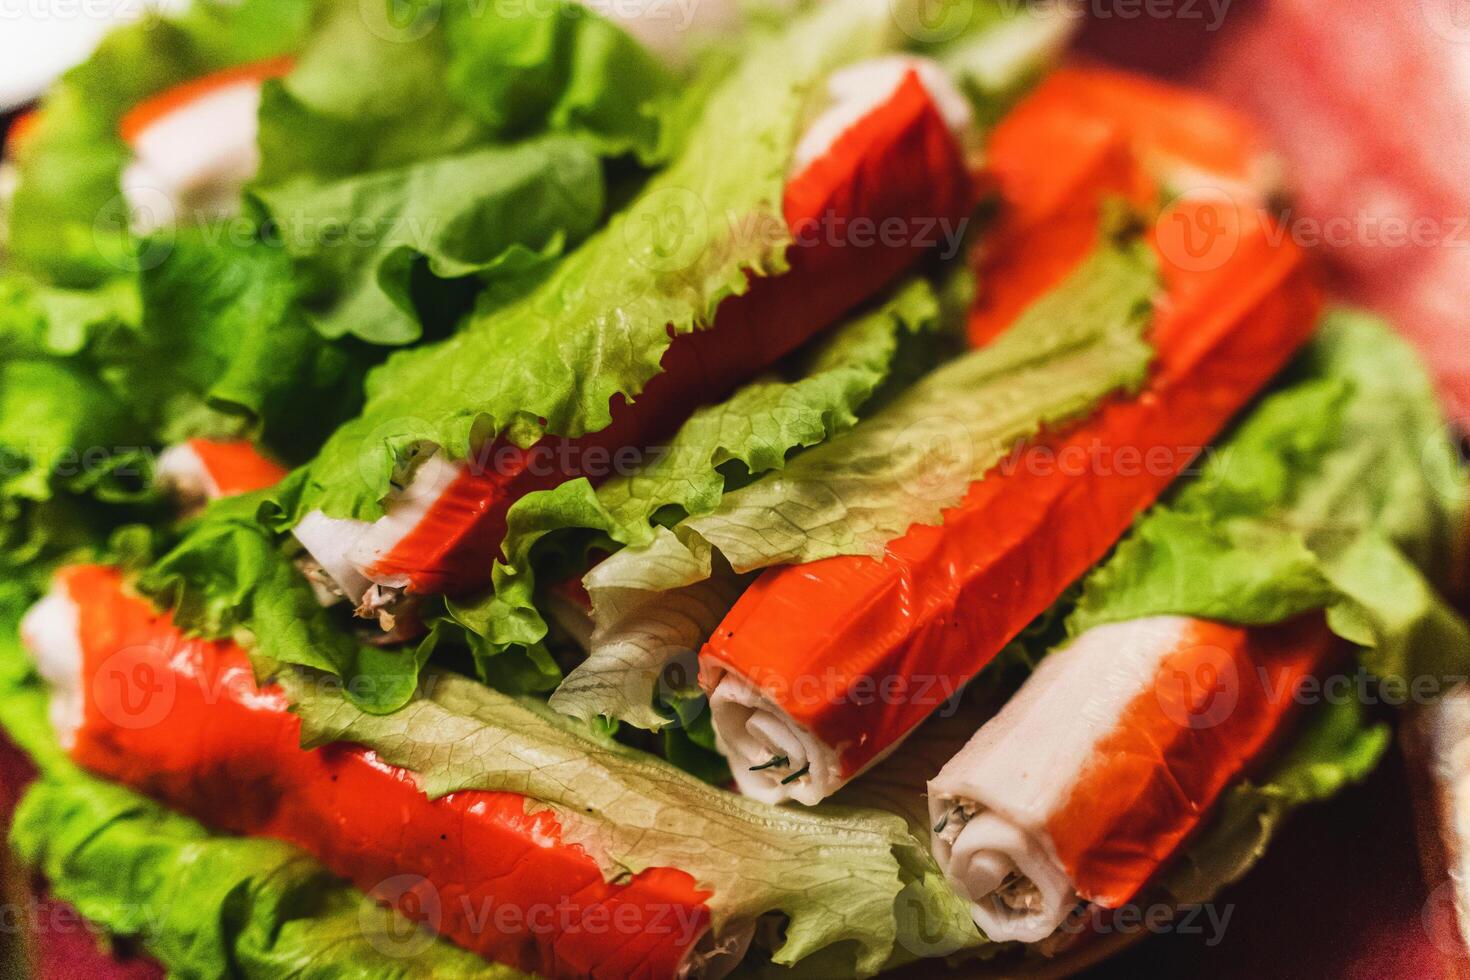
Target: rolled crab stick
<point x="1085" y="135"/>
<point x="182" y="719"/>
<point x="1109" y="756"/>
<point x="200" y="470"/>
<point x="194" y="145"/>
<point x="792" y="670"/>
<point x="890" y="147"/>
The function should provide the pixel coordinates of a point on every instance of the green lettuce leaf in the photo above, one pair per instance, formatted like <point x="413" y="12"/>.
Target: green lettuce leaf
<point x="463" y="74"/>
<point x="222" y="349"/>
<point x="559" y="67"/>
<point x="35" y="317"/>
<point x="60" y="429"/>
<point x="212" y="905"/>
<point x="368" y="92"/>
<point x="835" y="873"/>
<point x="493" y="212"/>
<point x="1341" y="491"/>
<point x="752" y="432"/>
<point x="68" y="222"/>
<point x="204" y="905"/>
<point x="229" y="576"/>
<point x="597" y="327"/>
<point x="920" y="454"/>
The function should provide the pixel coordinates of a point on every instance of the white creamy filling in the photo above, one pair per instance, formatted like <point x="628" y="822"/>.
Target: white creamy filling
<point x="51" y="632"/>
<point x="858" y="90"/>
<point x="195" y="159"/>
<point x="772" y="758"/>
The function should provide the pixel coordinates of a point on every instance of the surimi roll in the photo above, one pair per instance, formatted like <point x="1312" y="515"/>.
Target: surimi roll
<point x="819" y="641"/>
<point x="1111" y="753"/>
<point x="891" y="145"/>
<point x="197" y="471"/>
<point x="206" y="740"/>
<point x="194" y="146"/>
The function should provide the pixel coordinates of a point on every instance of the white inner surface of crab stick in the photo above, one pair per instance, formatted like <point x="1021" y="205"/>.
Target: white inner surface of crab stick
<point x="346" y="549"/>
<point x="355" y="547"/>
<point x="51" y="631"/>
<point x="772" y="758"/>
<point x="857" y="90"/>
<point x="181" y="471"/>
<point x="194" y="158"/>
<point x="1446" y="725"/>
<point x="671" y="30"/>
<point x="992" y="801"/>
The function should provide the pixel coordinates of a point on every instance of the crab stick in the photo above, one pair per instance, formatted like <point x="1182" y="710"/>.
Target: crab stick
<point x="820" y="669"/>
<point x="1186" y="137"/>
<point x="197" y="471"/>
<point x="889" y="150"/>
<point x="183" y="720"/>
<point x="1108" y="757"/>
<point x="1083" y="136"/>
<point x="194" y="145"/>
<point x="1054" y="169"/>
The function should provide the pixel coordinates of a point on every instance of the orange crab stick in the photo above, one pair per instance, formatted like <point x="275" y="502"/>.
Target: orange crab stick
<point x="200" y="470"/>
<point x="888" y="153"/>
<point x="194" y="145"/>
<point x="183" y="720"/>
<point x="1083" y="136"/>
<point x="1181" y="133"/>
<point x="825" y="667"/>
<point x="1106" y="760"/>
<point x="1054" y="170"/>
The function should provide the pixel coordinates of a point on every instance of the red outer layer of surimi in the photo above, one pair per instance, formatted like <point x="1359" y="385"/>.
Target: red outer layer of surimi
<point x="1084" y="135"/>
<point x="154" y="108"/>
<point x="1054" y="169"/>
<point x="900" y="162"/>
<point x="1215" y="705"/>
<point x="1166" y="123"/>
<point x="236" y="466"/>
<point x="944" y="599"/>
<point x="182" y="720"/>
